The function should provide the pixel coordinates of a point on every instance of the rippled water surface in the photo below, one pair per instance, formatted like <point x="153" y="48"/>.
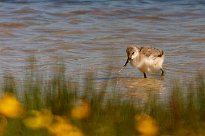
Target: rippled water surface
<point x="92" y="35"/>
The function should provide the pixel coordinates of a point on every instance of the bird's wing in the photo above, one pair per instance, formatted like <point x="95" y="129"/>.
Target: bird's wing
<point x="151" y="52"/>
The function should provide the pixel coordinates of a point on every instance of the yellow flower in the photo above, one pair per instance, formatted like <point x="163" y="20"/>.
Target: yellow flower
<point x="81" y="111"/>
<point x="3" y="124"/>
<point x="61" y="127"/>
<point x="146" y="125"/>
<point x="10" y="106"/>
<point x="39" y="119"/>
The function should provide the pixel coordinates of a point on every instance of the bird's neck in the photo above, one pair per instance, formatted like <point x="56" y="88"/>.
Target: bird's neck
<point x="136" y="60"/>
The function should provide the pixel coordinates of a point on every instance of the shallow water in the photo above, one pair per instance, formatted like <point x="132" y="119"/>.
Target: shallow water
<point x="92" y="35"/>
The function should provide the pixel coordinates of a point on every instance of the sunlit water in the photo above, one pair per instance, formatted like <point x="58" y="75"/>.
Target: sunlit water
<point x="92" y="35"/>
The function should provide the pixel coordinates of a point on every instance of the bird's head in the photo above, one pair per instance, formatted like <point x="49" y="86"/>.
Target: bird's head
<point x="132" y="52"/>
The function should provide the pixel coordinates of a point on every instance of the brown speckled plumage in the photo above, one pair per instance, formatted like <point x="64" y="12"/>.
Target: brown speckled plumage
<point x="151" y="51"/>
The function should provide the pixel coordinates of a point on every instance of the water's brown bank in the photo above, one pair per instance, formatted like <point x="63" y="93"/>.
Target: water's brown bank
<point x="140" y="88"/>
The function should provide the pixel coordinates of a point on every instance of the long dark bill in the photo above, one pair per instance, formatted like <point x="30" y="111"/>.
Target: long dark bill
<point x="124" y="65"/>
<point x="126" y="62"/>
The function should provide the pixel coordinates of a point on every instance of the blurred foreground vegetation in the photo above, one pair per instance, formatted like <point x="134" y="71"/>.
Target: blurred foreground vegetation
<point x="59" y="107"/>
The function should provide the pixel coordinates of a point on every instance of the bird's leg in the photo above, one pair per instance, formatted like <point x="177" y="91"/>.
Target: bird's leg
<point x="145" y="76"/>
<point x="162" y="73"/>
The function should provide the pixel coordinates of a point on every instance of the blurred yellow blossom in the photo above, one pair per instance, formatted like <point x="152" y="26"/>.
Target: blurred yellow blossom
<point x="39" y="119"/>
<point x="81" y="111"/>
<point x="61" y="127"/>
<point x="146" y="125"/>
<point x="3" y="124"/>
<point x="10" y="106"/>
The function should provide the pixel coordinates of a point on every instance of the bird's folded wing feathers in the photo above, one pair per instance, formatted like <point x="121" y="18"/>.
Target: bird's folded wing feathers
<point x="151" y="52"/>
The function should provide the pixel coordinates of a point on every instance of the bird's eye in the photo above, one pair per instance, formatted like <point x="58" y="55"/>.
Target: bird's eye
<point x="133" y="53"/>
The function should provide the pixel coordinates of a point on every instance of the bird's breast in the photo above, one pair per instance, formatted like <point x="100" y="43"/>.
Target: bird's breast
<point x="134" y="64"/>
<point x="146" y="64"/>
